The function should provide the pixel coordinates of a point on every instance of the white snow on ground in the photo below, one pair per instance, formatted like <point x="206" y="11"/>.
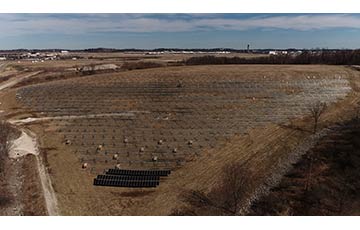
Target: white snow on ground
<point x="25" y="144"/>
<point x="71" y="117"/>
<point x="100" y="67"/>
<point x="284" y="166"/>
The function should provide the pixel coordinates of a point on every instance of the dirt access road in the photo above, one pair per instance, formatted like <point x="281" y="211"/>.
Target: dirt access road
<point x="24" y="145"/>
<point x="14" y="81"/>
<point x="27" y="144"/>
<point x="2" y="65"/>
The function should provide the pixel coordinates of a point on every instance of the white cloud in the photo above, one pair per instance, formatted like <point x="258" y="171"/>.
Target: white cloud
<point x="19" y="24"/>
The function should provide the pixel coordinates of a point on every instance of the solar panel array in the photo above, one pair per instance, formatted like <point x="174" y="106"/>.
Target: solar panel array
<point x="138" y="172"/>
<point x="131" y="178"/>
<point x="142" y="120"/>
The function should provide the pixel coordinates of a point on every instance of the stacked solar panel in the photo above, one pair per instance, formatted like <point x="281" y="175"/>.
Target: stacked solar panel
<point x="131" y="178"/>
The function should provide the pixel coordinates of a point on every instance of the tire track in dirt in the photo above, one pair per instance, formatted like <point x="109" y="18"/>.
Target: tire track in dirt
<point x="73" y="117"/>
<point x="49" y="193"/>
<point x="14" y="81"/>
<point x="27" y="144"/>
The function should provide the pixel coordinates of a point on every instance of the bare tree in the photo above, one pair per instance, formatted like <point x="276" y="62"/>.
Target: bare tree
<point x="225" y="199"/>
<point x="316" y="110"/>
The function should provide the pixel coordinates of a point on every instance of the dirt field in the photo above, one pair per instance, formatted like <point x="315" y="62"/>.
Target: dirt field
<point x="243" y="113"/>
<point x="86" y="59"/>
<point x="21" y="192"/>
<point x="323" y="182"/>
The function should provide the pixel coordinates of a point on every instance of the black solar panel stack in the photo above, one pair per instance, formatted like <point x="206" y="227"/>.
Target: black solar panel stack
<point x="138" y="172"/>
<point x="131" y="178"/>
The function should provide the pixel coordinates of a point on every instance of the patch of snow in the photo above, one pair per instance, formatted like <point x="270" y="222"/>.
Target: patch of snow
<point x="34" y="119"/>
<point x="24" y="145"/>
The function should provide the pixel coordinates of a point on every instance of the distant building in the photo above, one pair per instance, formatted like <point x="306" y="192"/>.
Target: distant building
<point x="64" y="52"/>
<point x="2" y="58"/>
<point x="31" y="55"/>
<point x="273" y="53"/>
<point x="296" y="53"/>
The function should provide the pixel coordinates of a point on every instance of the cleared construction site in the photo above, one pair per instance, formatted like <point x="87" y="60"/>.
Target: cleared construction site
<point x="123" y="141"/>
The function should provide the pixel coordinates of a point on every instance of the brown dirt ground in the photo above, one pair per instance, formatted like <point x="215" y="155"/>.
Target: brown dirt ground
<point x="323" y="182"/>
<point x="261" y="149"/>
<point x="22" y="174"/>
<point x="33" y="199"/>
<point x="117" y="58"/>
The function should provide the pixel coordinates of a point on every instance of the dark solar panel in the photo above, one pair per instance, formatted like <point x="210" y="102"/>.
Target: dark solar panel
<point x="127" y="177"/>
<point x="131" y="178"/>
<point x="121" y="183"/>
<point x="138" y="172"/>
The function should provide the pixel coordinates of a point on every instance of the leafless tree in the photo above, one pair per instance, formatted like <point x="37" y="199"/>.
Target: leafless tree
<point x="316" y="110"/>
<point x="225" y="199"/>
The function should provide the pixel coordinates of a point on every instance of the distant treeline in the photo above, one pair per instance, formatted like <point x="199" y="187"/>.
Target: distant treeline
<point x="112" y="50"/>
<point x="344" y="57"/>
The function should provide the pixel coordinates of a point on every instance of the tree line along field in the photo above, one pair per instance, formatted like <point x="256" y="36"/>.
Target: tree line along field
<point x="187" y="117"/>
<point x="323" y="182"/>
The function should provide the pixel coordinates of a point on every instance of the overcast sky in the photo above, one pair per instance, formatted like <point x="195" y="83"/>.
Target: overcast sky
<point x="77" y="31"/>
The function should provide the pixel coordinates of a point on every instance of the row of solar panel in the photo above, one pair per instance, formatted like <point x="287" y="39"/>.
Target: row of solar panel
<point x="138" y="172"/>
<point x="128" y="178"/>
<point x="131" y="184"/>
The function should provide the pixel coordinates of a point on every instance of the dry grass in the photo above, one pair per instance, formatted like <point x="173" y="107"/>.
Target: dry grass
<point x="263" y="148"/>
<point x="32" y="196"/>
<point x="28" y="198"/>
<point x="323" y="182"/>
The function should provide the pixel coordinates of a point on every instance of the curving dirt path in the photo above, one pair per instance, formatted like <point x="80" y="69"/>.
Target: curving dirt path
<point x="72" y="117"/>
<point x="14" y="81"/>
<point x="27" y="144"/>
<point x="49" y="193"/>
